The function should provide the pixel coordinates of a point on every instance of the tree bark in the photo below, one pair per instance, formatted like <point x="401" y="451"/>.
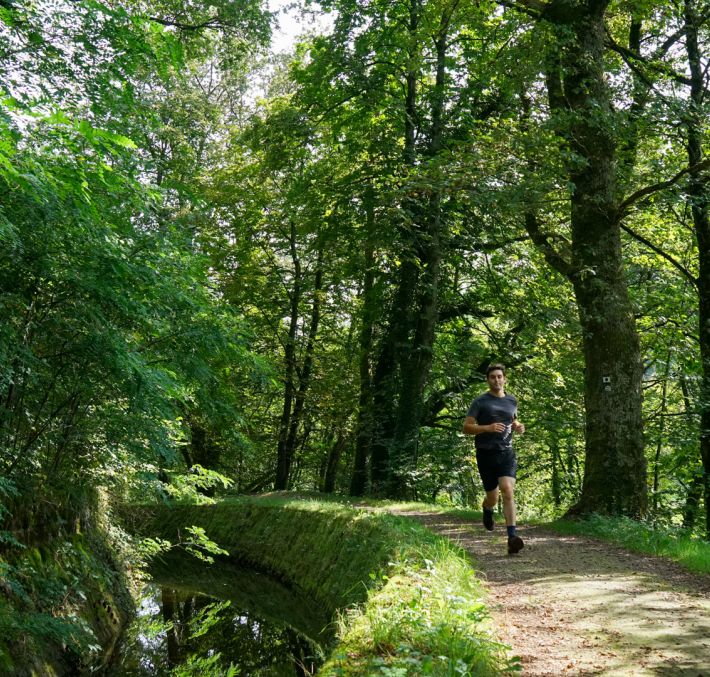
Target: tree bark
<point x="331" y="468"/>
<point x="385" y="383"/>
<point x="615" y="465"/>
<point x="283" y="460"/>
<point x="699" y="196"/>
<point x="417" y="361"/>
<point x="395" y="345"/>
<point x="358" y="481"/>
<point x="304" y="379"/>
<point x="661" y="433"/>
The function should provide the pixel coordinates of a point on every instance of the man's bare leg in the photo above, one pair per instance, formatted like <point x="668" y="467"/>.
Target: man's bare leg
<point x="507" y="488"/>
<point x="491" y="499"/>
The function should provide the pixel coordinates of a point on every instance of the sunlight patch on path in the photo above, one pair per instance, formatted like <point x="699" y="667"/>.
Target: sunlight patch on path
<point x="574" y="606"/>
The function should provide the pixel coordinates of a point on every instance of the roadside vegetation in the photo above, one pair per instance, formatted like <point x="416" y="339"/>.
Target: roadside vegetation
<point x="62" y="606"/>
<point x="404" y="600"/>
<point x="682" y="546"/>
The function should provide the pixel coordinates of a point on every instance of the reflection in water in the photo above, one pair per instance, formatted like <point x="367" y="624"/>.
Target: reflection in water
<point x="183" y="632"/>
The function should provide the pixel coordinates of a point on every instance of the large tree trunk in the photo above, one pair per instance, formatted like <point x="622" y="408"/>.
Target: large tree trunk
<point x="416" y="364"/>
<point x="615" y="465"/>
<point x="395" y="345"/>
<point x="416" y="368"/>
<point x="385" y="381"/>
<point x="699" y="194"/>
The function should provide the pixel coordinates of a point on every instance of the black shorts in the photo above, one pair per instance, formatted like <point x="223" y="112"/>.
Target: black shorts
<point x="495" y="464"/>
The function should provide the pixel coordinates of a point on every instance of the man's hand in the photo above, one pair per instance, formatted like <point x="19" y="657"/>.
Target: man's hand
<point x="518" y="427"/>
<point x="496" y="427"/>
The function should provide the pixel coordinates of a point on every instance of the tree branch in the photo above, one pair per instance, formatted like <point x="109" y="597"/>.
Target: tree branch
<point x="464" y="306"/>
<point x="213" y="22"/>
<point x="533" y="8"/>
<point x="678" y="266"/>
<point x="475" y="246"/>
<point x="627" y="54"/>
<point x="662" y="185"/>
<point x="541" y="241"/>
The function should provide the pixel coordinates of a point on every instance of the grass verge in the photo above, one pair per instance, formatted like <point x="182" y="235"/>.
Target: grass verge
<point x="691" y="553"/>
<point x="406" y="600"/>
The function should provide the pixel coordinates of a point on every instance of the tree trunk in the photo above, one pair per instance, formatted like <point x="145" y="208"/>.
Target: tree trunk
<point x="695" y="490"/>
<point x="304" y="380"/>
<point x="358" y="481"/>
<point x="556" y="483"/>
<point x="699" y="194"/>
<point x="331" y="469"/>
<point x="386" y="378"/>
<point x="615" y="465"/>
<point x="417" y="362"/>
<point x="417" y="365"/>
<point x="283" y="460"/>
<point x="395" y="345"/>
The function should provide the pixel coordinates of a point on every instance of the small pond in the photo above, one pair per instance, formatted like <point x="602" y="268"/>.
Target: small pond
<point x="220" y="620"/>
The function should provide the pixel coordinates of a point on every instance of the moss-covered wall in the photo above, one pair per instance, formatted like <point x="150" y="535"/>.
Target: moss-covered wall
<point x="329" y="552"/>
<point x="63" y="606"/>
<point x="422" y="610"/>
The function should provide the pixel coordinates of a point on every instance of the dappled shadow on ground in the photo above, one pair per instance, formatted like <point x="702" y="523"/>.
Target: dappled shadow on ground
<point x="575" y="606"/>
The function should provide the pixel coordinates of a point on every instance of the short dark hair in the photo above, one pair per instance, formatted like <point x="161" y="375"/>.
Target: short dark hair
<point x="495" y="367"/>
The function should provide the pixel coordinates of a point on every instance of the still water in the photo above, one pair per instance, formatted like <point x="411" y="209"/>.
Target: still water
<point x="220" y="620"/>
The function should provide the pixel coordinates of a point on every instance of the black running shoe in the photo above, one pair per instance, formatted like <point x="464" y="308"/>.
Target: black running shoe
<point x="515" y="544"/>
<point x="488" y="519"/>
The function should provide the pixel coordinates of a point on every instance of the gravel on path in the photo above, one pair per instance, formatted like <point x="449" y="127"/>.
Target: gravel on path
<point x="569" y="605"/>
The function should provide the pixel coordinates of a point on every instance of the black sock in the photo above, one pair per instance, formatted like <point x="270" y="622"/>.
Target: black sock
<point x="511" y="530"/>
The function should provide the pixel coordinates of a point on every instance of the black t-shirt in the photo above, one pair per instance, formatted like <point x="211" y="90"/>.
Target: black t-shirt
<point x="487" y="409"/>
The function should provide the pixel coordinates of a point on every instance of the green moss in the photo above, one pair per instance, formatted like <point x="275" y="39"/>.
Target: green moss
<point x="406" y="600"/>
<point x="63" y="606"/>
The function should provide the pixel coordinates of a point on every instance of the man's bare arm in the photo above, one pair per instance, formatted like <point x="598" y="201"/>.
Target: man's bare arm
<point x="470" y="427"/>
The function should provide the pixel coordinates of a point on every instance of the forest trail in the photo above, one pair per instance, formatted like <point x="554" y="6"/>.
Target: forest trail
<point x="569" y="605"/>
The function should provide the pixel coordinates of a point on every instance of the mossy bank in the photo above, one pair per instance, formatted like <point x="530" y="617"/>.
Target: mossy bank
<point x="63" y="605"/>
<point x="401" y="597"/>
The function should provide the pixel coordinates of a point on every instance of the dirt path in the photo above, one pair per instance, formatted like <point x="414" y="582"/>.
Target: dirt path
<point x="574" y="606"/>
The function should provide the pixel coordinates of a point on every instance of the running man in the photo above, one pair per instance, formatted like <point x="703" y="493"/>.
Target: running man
<point x="493" y="418"/>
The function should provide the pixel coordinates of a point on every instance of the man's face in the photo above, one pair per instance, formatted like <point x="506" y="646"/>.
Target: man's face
<point x="496" y="380"/>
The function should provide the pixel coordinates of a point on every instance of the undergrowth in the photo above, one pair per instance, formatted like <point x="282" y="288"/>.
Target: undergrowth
<point x="53" y="606"/>
<point x="426" y="618"/>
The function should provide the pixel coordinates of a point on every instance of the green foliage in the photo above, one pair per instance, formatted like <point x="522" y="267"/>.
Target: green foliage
<point x="198" y="544"/>
<point x="50" y="600"/>
<point x="207" y="667"/>
<point x="112" y="327"/>
<point x="147" y="271"/>
<point x="398" y="632"/>
<point x="191" y="486"/>
<point x="420" y="595"/>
